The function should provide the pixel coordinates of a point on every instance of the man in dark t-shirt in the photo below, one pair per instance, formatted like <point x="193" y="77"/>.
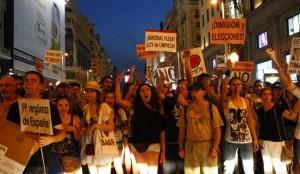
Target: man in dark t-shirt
<point x="33" y="85"/>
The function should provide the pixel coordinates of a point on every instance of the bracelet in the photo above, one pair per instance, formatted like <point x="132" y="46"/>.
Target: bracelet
<point x="214" y="149"/>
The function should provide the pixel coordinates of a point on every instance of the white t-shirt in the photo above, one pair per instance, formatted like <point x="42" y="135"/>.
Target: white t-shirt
<point x="237" y="129"/>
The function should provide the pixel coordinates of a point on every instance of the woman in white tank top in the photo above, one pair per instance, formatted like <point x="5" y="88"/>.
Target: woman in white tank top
<point x="240" y="127"/>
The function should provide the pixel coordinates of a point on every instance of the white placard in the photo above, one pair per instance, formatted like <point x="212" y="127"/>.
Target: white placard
<point x="157" y="40"/>
<point x="35" y="116"/>
<point x="168" y="73"/>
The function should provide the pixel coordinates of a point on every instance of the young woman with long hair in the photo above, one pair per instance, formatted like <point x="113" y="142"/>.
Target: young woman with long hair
<point x="97" y="115"/>
<point x="69" y="146"/>
<point x="148" y="135"/>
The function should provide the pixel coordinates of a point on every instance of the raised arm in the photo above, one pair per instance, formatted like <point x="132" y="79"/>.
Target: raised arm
<point x="284" y="77"/>
<point x="131" y="74"/>
<point x="187" y="66"/>
<point x="123" y="103"/>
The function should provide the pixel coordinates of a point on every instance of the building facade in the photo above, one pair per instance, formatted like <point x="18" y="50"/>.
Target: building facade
<point x="6" y="10"/>
<point x="269" y="25"/>
<point x="86" y="58"/>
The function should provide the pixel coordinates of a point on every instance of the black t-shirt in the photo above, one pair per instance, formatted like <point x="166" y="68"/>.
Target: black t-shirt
<point x="268" y="121"/>
<point x="36" y="159"/>
<point x="172" y="112"/>
<point x="147" y="125"/>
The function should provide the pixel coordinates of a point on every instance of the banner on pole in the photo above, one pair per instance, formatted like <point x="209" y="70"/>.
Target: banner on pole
<point x="197" y="62"/>
<point x="227" y="31"/>
<point x="143" y="54"/>
<point x="246" y="66"/>
<point x="157" y="40"/>
<point x="243" y="70"/>
<point x="53" y="57"/>
<point x="35" y="116"/>
<point x="168" y="72"/>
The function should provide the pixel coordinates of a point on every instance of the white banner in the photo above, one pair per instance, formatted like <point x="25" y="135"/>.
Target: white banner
<point x="168" y="73"/>
<point x="35" y="116"/>
<point x="197" y="62"/>
<point x="39" y="25"/>
<point x="157" y="40"/>
<point x="294" y="65"/>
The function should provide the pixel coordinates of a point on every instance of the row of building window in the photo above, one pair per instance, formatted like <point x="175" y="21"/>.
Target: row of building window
<point x="293" y="27"/>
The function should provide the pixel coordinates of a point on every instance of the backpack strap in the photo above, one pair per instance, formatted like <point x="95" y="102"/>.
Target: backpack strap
<point x="210" y="111"/>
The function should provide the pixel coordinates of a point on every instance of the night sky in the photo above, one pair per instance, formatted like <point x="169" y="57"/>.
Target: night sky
<point x="121" y="25"/>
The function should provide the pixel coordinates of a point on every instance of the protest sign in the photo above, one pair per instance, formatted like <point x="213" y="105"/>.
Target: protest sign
<point x="143" y="54"/>
<point x="157" y="40"/>
<point x="246" y="66"/>
<point x="243" y="70"/>
<point x="221" y="61"/>
<point x="197" y="61"/>
<point x="227" y="31"/>
<point x="35" y="116"/>
<point x="294" y="65"/>
<point x="53" y="57"/>
<point x="168" y="73"/>
<point x="15" y="148"/>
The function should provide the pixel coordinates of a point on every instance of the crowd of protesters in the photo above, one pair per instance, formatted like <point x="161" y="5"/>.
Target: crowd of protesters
<point x="204" y="126"/>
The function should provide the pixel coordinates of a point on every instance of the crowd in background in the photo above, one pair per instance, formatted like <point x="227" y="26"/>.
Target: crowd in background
<point x="202" y="126"/>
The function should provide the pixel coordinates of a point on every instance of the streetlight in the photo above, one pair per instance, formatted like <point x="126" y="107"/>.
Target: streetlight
<point x="233" y="57"/>
<point x="215" y="2"/>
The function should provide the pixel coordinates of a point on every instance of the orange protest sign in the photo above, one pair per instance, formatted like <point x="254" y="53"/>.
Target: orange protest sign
<point x="143" y="54"/>
<point x="246" y="66"/>
<point x="227" y="31"/>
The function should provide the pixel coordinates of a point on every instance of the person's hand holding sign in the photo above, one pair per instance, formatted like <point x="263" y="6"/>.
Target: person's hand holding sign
<point x="46" y="140"/>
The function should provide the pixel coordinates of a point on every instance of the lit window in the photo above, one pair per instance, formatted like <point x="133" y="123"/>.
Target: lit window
<point x="262" y="40"/>
<point x="263" y="69"/>
<point x="294" y="24"/>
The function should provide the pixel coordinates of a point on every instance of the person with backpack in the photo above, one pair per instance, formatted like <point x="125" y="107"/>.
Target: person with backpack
<point x="199" y="134"/>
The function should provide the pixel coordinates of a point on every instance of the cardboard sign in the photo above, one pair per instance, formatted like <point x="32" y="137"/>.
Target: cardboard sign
<point x="227" y="31"/>
<point x="15" y="148"/>
<point x="197" y="62"/>
<point x="157" y="40"/>
<point x="294" y="65"/>
<point x="53" y="57"/>
<point x="244" y="76"/>
<point x="35" y="116"/>
<point x="143" y="54"/>
<point x="168" y="73"/>
<point x="246" y="66"/>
